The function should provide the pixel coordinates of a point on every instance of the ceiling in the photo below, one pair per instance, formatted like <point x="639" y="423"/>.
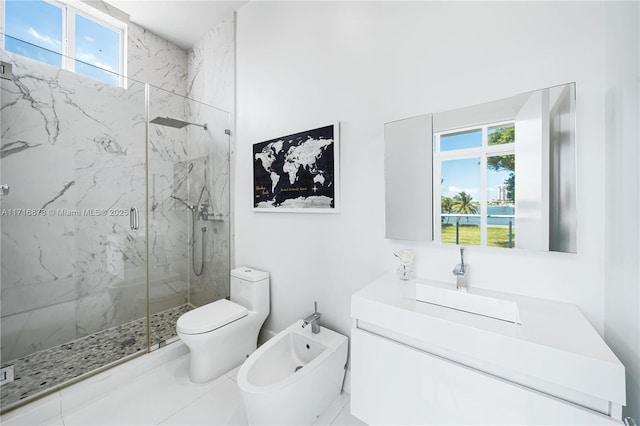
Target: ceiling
<point x="183" y="22"/>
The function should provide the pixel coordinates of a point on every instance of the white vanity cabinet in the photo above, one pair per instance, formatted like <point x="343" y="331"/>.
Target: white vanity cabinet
<point x="417" y="363"/>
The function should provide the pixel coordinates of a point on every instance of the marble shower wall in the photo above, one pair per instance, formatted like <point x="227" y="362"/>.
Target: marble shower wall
<point x="168" y="218"/>
<point x="154" y="60"/>
<point x="211" y="80"/>
<point x="208" y="169"/>
<point x="71" y="143"/>
<point x="163" y="65"/>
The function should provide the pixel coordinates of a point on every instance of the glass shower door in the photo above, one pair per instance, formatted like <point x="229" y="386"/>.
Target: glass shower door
<point x="72" y="254"/>
<point x="115" y="221"/>
<point x="189" y="232"/>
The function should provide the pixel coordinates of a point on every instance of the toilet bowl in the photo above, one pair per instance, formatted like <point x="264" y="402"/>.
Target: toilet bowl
<point x="294" y="377"/>
<point x="222" y="334"/>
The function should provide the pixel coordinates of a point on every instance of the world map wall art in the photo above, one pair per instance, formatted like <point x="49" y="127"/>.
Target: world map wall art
<point x="298" y="172"/>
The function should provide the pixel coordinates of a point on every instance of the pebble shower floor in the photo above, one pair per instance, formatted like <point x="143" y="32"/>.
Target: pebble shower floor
<point x="45" y="369"/>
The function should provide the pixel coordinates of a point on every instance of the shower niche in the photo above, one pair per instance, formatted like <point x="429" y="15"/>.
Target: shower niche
<point x="84" y="287"/>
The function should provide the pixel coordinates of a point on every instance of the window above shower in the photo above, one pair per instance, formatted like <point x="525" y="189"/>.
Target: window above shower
<point x="69" y="35"/>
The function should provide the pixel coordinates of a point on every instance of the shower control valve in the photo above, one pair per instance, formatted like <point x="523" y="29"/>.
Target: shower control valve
<point x="205" y="214"/>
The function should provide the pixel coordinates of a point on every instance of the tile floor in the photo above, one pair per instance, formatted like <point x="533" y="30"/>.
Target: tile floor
<point x="48" y="368"/>
<point x="165" y="396"/>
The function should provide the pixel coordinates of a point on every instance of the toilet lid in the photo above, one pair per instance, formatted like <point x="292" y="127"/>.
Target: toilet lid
<point x="209" y="317"/>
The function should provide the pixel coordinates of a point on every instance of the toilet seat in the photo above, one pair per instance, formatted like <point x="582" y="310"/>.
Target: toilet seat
<point x="209" y="317"/>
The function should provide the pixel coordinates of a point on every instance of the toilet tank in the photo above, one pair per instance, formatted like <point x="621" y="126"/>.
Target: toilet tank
<point x="250" y="288"/>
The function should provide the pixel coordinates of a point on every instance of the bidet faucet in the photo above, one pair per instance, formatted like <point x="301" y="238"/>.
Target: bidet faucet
<point x="313" y="319"/>
<point x="460" y="271"/>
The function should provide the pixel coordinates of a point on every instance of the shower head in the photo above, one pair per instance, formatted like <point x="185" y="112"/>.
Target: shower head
<point x="189" y="206"/>
<point x="173" y="122"/>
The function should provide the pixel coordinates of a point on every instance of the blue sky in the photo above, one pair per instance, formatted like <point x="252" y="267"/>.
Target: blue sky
<point x="37" y="23"/>
<point x="464" y="174"/>
<point x="454" y="141"/>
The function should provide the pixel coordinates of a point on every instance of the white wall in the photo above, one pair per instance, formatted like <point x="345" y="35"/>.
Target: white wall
<point x="622" y="243"/>
<point x="367" y="63"/>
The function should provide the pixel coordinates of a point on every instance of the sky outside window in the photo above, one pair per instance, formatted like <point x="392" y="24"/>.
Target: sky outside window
<point x="97" y="50"/>
<point x="34" y="30"/>
<point x="460" y="176"/>
<point x="462" y="140"/>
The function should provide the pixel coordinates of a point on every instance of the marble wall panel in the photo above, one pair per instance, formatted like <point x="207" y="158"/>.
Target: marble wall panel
<point x="168" y="219"/>
<point x="38" y="250"/>
<point x="211" y="67"/>
<point x="166" y="143"/>
<point x="164" y="66"/>
<point x="98" y="311"/>
<point x="209" y="184"/>
<point x="89" y="139"/>
<point x="168" y="235"/>
<point x="37" y="329"/>
<point x="167" y="292"/>
<point x="111" y="257"/>
<point x="25" y="298"/>
<point x="75" y="134"/>
<point x="154" y="60"/>
<point x="211" y="80"/>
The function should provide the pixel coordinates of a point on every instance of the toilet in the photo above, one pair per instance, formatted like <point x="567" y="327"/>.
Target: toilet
<point x="222" y="334"/>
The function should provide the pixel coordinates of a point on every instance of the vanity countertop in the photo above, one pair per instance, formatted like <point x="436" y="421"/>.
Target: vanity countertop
<point x="555" y="350"/>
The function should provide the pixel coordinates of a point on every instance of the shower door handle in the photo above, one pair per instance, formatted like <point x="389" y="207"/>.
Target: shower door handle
<point x="134" y="219"/>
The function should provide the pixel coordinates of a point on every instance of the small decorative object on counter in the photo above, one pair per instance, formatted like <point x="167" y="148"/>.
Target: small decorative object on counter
<point x="405" y="270"/>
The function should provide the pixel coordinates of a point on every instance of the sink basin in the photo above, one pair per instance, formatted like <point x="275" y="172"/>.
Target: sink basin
<point x="505" y="310"/>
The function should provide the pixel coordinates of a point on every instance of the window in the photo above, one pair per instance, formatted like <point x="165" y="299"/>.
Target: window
<point x="34" y="29"/>
<point x="71" y="36"/>
<point x="474" y="202"/>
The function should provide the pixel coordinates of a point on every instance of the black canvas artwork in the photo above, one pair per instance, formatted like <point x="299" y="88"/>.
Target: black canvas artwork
<point x="297" y="172"/>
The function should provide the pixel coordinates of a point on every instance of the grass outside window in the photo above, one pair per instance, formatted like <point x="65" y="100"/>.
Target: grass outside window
<point x="497" y="236"/>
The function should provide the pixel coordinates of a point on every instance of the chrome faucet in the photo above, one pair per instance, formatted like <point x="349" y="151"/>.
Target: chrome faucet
<point x="313" y="319"/>
<point x="460" y="271"/>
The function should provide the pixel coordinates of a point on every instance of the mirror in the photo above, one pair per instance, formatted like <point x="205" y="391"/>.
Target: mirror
<point x="498" y="174"/>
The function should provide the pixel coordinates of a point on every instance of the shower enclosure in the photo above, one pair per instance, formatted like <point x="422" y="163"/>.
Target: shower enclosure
<point x="114" y="221"/>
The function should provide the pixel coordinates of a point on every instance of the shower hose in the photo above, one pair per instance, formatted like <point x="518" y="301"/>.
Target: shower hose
<point x="193" y="245"/>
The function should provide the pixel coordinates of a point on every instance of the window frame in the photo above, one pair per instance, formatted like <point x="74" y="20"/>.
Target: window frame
<point x="482" y="152"/>
<point x="70" y="10"/>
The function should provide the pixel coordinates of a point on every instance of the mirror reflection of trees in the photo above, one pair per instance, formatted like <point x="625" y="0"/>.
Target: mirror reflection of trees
<point x="498" y="163"/>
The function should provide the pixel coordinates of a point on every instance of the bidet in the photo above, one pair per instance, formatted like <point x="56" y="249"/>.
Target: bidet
<point x="293" y="377"/>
